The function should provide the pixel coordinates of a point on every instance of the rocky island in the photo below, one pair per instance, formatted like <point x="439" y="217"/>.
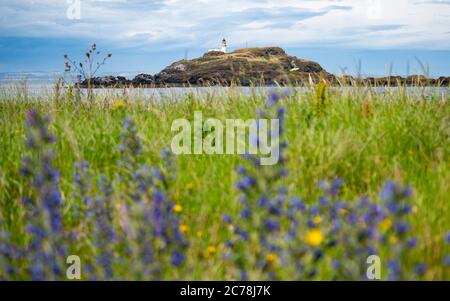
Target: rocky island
<point x="250" y="66"/>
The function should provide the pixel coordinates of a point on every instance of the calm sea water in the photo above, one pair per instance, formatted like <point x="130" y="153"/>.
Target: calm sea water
<point x="42" y="84"/>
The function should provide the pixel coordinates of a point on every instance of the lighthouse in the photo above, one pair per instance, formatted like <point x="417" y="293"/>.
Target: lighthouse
<point x="223" y="48"/>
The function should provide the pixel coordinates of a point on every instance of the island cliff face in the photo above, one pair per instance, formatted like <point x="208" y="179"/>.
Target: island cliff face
<point x="250" y="66"/>
<point x="257" y="66"/>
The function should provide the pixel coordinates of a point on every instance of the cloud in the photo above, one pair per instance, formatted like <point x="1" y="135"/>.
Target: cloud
<point x="165" y="24"/>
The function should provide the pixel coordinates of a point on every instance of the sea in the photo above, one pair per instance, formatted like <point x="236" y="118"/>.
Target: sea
<point x="40" y="83"/>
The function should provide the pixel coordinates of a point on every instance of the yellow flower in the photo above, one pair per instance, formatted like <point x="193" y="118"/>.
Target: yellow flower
<point x="189" y="186"/>
<point x="271" y="257"/>
<point x="344" y="211"/>
<point x="314" y="237"/>
<point x="199" y="233"/>
<point x="211" y="250"/>
<point x="177" y="208"/>
<point x="184" y="228"/>
<point x="317" y="220"/>
<point x="393" y="240"/>
<point x="119" y="105"/>
<point x="386" y="224"/>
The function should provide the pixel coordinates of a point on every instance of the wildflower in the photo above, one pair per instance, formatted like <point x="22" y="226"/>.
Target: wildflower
<point x="314" y="237"/>
<point x="257" y="250"/>
<point x="352" y="218"/>
<point x="130" y="149"/>
<point x="317" y="220"/>
<point x="189" y="186"/>
<point x="298" y="204"/>
<point x="344" y="211"/>
<point x="211" y="250"/>
<point x="177" y="258"/>
<point x="393" y="240"/>
<point x="246" y="213"/>
<point x="332" y="188"/>
<point x="199" y="233"/>
<point x="246" y="183"/>
<point x="177" y="208"/>
<point x="386" y="224"/>
<point x="271" y="258"/>
<point x="401" y="227"/>
<point x="273" y="99"/>
<point x="184" y="228"/>
<point x="335" y="188"/>
<point x="335" y="264"/>
<point x="119" y="105"/>
<point x="241" y="170"/>
<point x="447" y="260"/>
<point x="394" y="270"/>
<point x="411" y="243"/>
<point x="388" y="191"/>
<point x="226" y="219"/>
<point x="421" y="269"/>
<point x="447" y="237"/>
<point x="271" y="225"/>
<point x="46" y="202"/>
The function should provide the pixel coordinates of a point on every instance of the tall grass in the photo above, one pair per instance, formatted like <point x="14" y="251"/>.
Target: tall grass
<point x="360" y="136"/>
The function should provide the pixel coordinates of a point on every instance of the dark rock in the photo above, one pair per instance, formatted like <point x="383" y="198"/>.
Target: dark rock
<point x="143" y="80"/>
<point x="106" y="81"/>
<point x="443" y="81"/>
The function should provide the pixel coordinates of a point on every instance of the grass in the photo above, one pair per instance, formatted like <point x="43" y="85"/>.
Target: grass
<point x="361" y="136"/>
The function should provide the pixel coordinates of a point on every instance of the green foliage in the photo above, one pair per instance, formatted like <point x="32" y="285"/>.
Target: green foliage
<point x="320" y="97"/>
<point x="362" y="140"/>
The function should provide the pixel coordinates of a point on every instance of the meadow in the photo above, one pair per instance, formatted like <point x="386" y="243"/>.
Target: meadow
<point x="363" y="173"/>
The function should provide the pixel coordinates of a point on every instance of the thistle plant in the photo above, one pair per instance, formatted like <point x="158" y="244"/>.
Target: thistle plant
<point x="86" y="69"/>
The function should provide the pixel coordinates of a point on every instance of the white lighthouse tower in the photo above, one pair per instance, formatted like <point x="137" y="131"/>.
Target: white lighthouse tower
<point x="223" y="48"/>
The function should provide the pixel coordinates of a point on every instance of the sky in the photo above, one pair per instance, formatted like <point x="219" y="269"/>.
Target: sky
<point x="371" y="37"/>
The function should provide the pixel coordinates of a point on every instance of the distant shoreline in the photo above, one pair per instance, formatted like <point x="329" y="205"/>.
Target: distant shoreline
<point x="245" y="67"/>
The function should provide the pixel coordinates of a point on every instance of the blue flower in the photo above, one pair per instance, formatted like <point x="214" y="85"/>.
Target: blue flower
<point x="412" y="243"/>
<point x="177" y="258"/>
<point x="226" y="219"/>
<point x="394" y="270"/>
<point x="273" y="99"/>
<point x="271" y="225"/>
<point x="388" y="191"/>
<point x="421" y="269"/>
<point x="401" y="227"/>
<point x="246" y="213"/>
<point x="447" y="260"/>
<point x="246" y="183"/>
<point x="298" y="204"/>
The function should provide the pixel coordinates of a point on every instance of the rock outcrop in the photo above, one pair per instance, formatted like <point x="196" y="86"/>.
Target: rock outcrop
<point x="143" y="80"/>
<point x="107" y="81"/>
<point x="257" y="66"/>
<point x="252" y="66"/>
